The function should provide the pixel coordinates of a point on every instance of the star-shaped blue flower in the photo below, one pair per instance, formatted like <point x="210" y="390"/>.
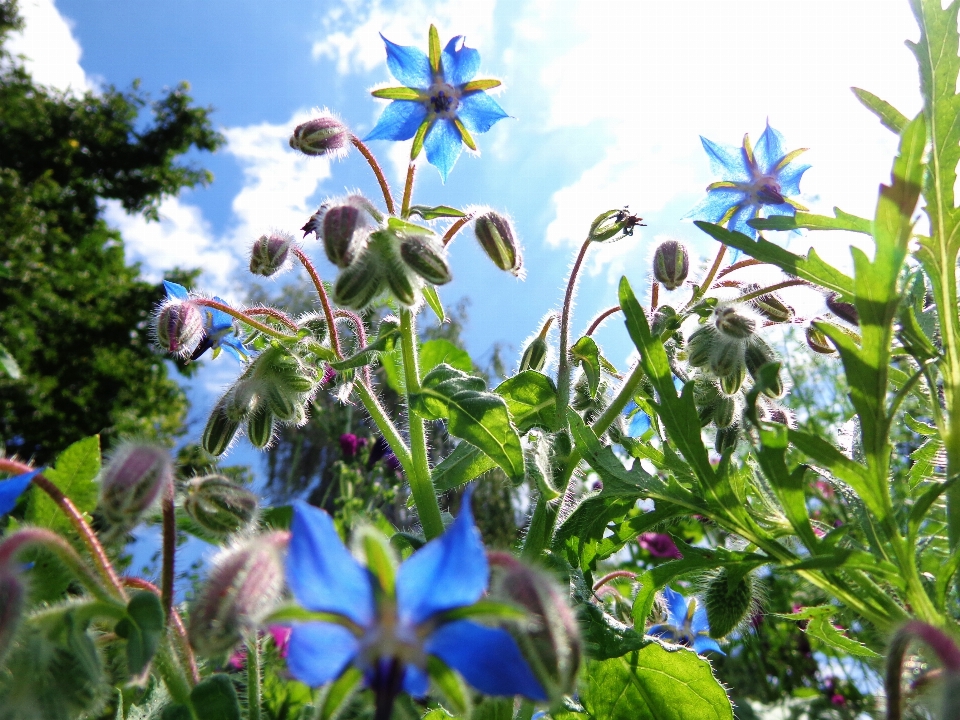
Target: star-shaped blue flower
<point x="218" y="328"/>
<point x="686" y="624"/>
<point x="389" y="632"/>
<point x="440" y="103"/>
<point x="753" y="180"/>
<point x="12" y="488"/>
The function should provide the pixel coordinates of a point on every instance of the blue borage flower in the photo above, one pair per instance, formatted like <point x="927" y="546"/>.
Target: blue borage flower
<point x="686" y="624"/>
<point x="753" y="180"/>
<point x="441" y="103"/>
<point x="12" y="488"/>
<point x="392" y="627"/>
<point x="218" y="328"/>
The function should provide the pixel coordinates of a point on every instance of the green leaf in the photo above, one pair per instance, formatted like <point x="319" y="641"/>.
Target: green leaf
<point x="654" y="684"/>
<point x="435" y="352"/>
<point x="8" y="364"/>
<point x="440" y="211"/>
<point x="823" y="630"/>
<point x="404" y="227"/>
<point x="454" y="690"/>
<point x="464" y="464"/>
<point x="586" y="354"/>
<point x="808" y="221"/>
<point x="810" y="268"/>
<point x="387" y="335"/>
<point x="337" y="694"/>
<point x="889" y="116"/>
<point x="216" y="699"/>
<point x="494" y="708"/>
<point x="787" y="486"/>
<point x="926" y="458"/>
<point x="432" y="297"/>
<point x="278" y="517"/>
<point x="74" y="474"/>
<point x="142" y="629"/>
<point x="532" y="400"/>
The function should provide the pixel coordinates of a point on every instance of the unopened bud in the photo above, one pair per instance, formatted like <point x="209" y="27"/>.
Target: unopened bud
<point x="818" y="342"/>
<point x="758" y="354"/>
<point x="733" y="324"/>
<point x="405" y="288"/>
<point x="179" y="327"/>
<point x="665" y="319"/>
<point x="324" y="135"/>
<point x="728" y="604"/>
<point x="706" y="398"/>
<point x="727" y="438"/>
<point x="770" y="306"/>
<point x="269" y="253"/>
<point x="427" y="257"/>
<point x="671" y="263"/>
<point x="843" y="310"/>
<point x="726" y="359"/>
<point x="534" y="355"/>
<point x="613" y="225"/>
<point x="12" y="601"/>
<point x="132" y="481"/>
<point x="219" y="505"/>
<point x="357" y="284"/>
<point x="341" y="226"/>
<point x="245" y="584"/>
<point x="220" y="430"/>
<point x="699" y="346"/>
<point x="731" y="383"/>
<point x="496" y="237"/>
<point x="260" y="427"/>
<point x="551" y="643"/>
<point x="724" y="412"/>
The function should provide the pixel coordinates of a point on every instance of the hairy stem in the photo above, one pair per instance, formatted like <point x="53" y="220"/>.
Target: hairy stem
<point x="767" y="290"/>
<point x="563" y="370"/>
<point x="708" y="280"/>
<point x="375" y="166"/>
<point x="243" y="317"/>
<point x="408" y="191"/>
<point x="169" y="554"/>
<point x="600" y="318"/>
<point x="274" y="313"/>
<point x="253" y="677"/>
<point x="324" y="300"/>
<point x="654" y="295"/>
<point x="455" y="228"/>
<point x="186" y="652"/>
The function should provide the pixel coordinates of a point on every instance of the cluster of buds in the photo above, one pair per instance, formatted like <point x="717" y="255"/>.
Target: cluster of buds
<point x="275" y="387"/>
<point x="377" y="254"/>
<point x="495" y="235"/>
<point x="219" y="505"/>
<point x="137" y="476"/>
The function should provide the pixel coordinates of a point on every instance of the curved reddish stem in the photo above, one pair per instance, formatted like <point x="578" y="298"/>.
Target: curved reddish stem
<point x="375" y="166"/>
<point x="274" y="313"/>
<point x="600" y="318"/>
<point x="324" y="300"/>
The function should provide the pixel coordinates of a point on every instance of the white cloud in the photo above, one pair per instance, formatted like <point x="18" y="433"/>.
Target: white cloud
<point x="53" y="54"/>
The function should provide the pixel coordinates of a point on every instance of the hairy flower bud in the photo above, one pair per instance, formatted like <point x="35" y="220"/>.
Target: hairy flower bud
<point x="260" y="427"/>
<point x="221" y="428"/>
<point x="245" y="583"/>
<point x="357" y="284"/>
<point x="179" y="327"/>
<point x="341" y="225"/>
<point x="132" y="481"/>
<point x="770" y="305"/>
<point x="12" y="602"/>
<point x="818" y="342"/>
<point x="699" y="346"/>
<point x="551" y="643"/>
<point x="843" y="310"/>
<point x="324" y="135"/>
<point x="405" y="287"/>
<point x="724" y="411"/>
<point x="727" y="438"/>
<point x="269" y="253"/>
<point x="728" y="604"/>
<point x="671" y="264"/>
<point x="732" y="382"/>
<point x="495" y="235"/>
<point x="758" y="354"/>
<point x="613" y="225"/>
<point x="726" y="358"/>
<point x="733" y="324"/>
<point x="427" y="257"/>
<point x="534" y="355"/>
<point x="219" y="505"/>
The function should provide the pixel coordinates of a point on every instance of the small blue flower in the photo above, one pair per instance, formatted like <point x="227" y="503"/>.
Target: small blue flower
<point x="753" y="180"/>
<point x="12" y="488"/>
<point x="390" y="632"/>
<point x="218" y="328"/>
<point x="686" y="624"/>
<point x="441" y="103"/>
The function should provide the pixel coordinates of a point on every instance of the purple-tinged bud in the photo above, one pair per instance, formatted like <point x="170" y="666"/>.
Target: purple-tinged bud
<point x="341" y="224"/>
<point x="427" y="257"/>
<point x="132" y="481"/>
<point x="758" y="354"/>
<point x="613" y="225"/>
<point x="671" y="264"/>
<point x="179" y="327"/>
<point x="349" y="445"/>
<point x="244" y="585"/>
<point x="219" y="505"/>
<point x="733" y="324"/>
<point x="12" y="602"/>
<point x="495" y="235"/>
<point x="770" y="305"/>
<point x="843" y="310"/>
<point x="783" y="416"/>
<point x="728" y="604"/>
<point x="269" y="253"/>
<point x="551" y="641"/>
<point x="324" y="135"/>
<point x="818" y="342"/>
<point x="358" y="284"/>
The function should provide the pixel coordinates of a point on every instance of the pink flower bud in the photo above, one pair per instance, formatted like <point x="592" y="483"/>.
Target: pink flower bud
<point x="269" y="253"/>
<point x="324" y="135"/>
<point x="132" y="482"/>
<point x="179" y="327"/>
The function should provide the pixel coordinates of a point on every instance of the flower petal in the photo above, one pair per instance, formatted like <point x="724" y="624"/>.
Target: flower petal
<point x="782" y="209"/>
<point x="398" y="121"/>
<point x="488" y="659"/>
<point x="408" y="65"/>
<point x="769" y="150"/>
<point x="676" y="607"/>
<point x="321" y="571"/>
<point x="459" y="65"/>
<point x="479" y="112"/>
<point x="789" y="178"/>
<point x="416" y="682"/>
<point x="664" y="631"/>
<point x="448" y="572"/>
<point x="738" y="223"/>
<point x="12" y="488"/>
<point x="702" y="644"/>
<point x="443" y="144"/>
<point x="716" y="204"/>
<point x="232" y="344"/>
<point x="700" y="623"/>
<point x="175" y="291"/>
<point x="319" y="652"/>
<point x="727" y="162"/>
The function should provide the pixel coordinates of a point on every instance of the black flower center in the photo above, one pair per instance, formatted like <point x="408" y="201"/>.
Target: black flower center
<point x="444" y="98"/>
<point x="441" y="102"/>
<point x="769" y="193"/>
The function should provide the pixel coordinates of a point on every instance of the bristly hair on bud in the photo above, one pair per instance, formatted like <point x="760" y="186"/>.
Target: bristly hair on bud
<point x="736" y="322"/>
<point x="536" y="352"/>
<point x="325" y="135"/>
<point x="244" y="585"/>
<point x="495" y="234"/>
<point x="179" y="327"/>
<point x="135" y="478"/>
<point x="613" y="225"/>
<point x="219" y="505"/>
<point x="729" y="601"/>
<point x="671" y="264"/>
<point x="343" y="225"/>
<point x="818" y="342"/>
<point x="269" y="253"/>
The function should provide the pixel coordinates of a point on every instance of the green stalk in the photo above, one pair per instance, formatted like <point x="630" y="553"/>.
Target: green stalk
<point x="384" y="424"/>
<point x="563" y="370"/>
<point x="418" y="468"/>
<point x="244" y="318"/>
<point x="253" y="678"/>
<point x="172" y="675"/>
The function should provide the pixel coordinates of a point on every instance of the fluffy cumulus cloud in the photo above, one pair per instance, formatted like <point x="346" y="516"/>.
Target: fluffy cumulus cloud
<point x="52" y="53"/>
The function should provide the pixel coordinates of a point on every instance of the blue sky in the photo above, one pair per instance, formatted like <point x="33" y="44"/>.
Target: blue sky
<point x="607" y="99"/>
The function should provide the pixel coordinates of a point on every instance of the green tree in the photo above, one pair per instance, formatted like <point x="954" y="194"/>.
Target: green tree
<point x="74" y="315"/>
